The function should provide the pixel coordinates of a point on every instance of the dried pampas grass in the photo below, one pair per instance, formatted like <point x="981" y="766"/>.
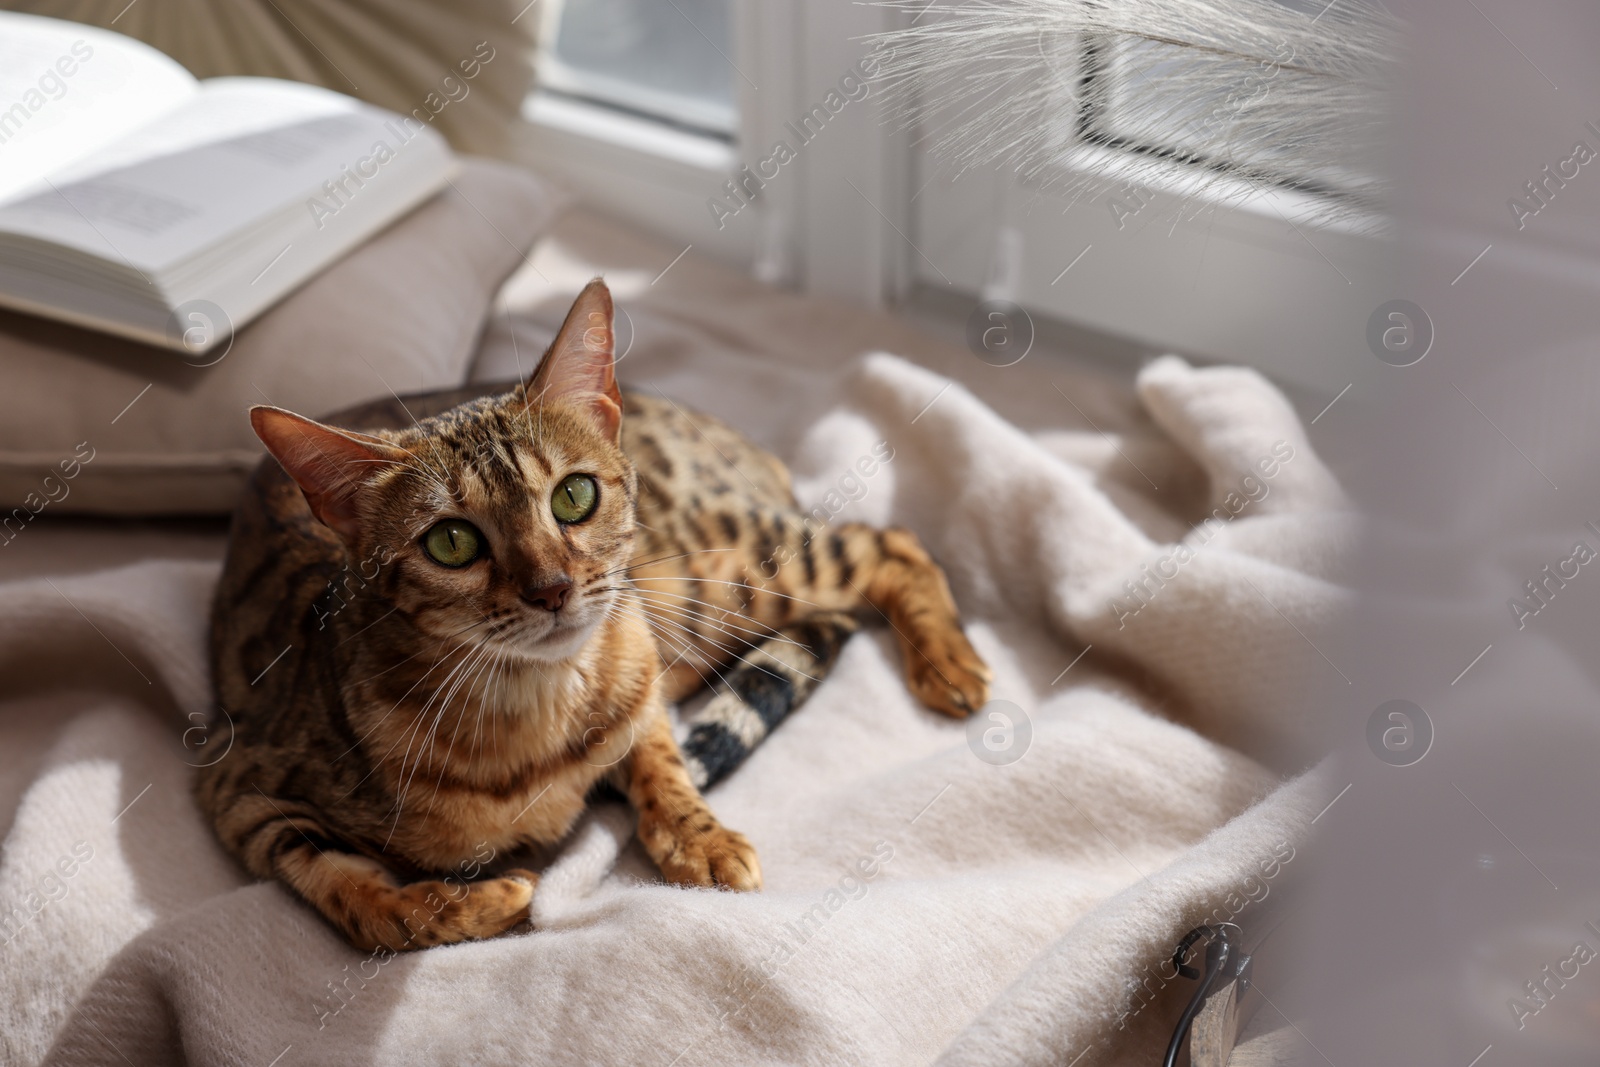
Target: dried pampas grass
<point x="1096" y="95"/>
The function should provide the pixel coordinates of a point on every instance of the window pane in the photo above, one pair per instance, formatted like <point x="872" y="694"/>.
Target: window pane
<point x="1224" y="111"/>
<point x="667" y="58"/>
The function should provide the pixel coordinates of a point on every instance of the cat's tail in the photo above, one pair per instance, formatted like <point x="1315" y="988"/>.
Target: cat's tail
<point x="768" y="683"/>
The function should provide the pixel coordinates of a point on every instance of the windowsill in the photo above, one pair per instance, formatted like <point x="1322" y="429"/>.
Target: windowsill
<point x="603" y="124"/>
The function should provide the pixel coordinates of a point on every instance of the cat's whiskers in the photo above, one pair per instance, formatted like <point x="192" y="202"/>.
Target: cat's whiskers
<point x="665" y="559"/>
<point x="692" y="638"/>
<point x="724" y="581"/>
<point x="481" y="685"/>
<point x="702" y="663"/>
<point x="718" y="623"/>
<point x="376" y="763"/>
<point x="435" y="480"/>
<point x="477" y="725"/>
<point x="684" y="645"/>
<point x="618" y="613"/>
<point x="666" y="668"/>
<point x="645" y="611"/>
<point x="457" y="674"/>
<point x="420" y="718"/>
<point x="653" y="607"/>
<point x="495" y="707"/>
<point x="446" y="655"/>
<point x="450" y="748"/>
<point x="657" y="619"/>
<point x="427" y="438"/>
<point x="510" y="642"/>
<point x="408" y="659"/>
<point x="738" y="657"/>
<point x="480" y="657"/>
<point x="461" y="715"/>
<point x="415" y="464"/>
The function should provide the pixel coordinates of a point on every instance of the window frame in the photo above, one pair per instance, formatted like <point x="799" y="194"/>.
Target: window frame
<point x="864" y="214"/>
<point x="827" y="226"/>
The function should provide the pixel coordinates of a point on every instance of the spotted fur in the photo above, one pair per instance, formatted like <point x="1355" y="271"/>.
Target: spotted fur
<point x="397" y="722"/>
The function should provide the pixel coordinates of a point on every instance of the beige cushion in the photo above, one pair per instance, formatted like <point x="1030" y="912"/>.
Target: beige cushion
<point x="402" y="312"/>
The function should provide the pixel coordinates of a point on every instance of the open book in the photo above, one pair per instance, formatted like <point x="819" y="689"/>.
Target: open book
<point x="137" y="200"/>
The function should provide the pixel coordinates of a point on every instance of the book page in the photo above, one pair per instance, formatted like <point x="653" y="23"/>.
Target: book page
<point x="66" y="90"/>
<point x="238" y="151"/>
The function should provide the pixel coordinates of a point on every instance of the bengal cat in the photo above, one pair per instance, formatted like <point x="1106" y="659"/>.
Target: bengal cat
<point x="435" y="634"/>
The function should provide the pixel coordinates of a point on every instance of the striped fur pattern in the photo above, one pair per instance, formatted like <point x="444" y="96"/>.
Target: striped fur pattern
<point x="769" y="682"/>
<point x="433" y="648"/>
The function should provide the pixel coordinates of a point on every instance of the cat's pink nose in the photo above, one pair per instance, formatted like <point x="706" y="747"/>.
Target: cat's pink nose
<point x="552" y="597"/>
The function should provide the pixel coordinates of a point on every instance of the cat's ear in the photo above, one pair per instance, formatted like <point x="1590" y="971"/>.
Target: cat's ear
<point x="579" y="363"/>
<point x="330" y="466"/>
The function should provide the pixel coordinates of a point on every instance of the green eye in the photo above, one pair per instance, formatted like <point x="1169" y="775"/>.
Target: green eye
<point x="453" y="543"/>
<point x="574" y="498"/>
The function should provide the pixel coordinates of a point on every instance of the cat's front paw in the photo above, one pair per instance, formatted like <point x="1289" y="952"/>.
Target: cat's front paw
<point x="490" y="907"/>
<point x="424" y="914"/>
<point x="700" y="851"/>
<point x="946" y="674"/>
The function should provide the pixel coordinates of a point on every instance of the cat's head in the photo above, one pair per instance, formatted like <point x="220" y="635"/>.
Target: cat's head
<point x="508" y="519"/>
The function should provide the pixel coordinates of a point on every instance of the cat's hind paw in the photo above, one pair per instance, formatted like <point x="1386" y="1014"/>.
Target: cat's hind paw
<point x="945" y="672"/>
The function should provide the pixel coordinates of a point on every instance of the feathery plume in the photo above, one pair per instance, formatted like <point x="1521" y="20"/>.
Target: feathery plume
<point x="1092" y="95"/>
